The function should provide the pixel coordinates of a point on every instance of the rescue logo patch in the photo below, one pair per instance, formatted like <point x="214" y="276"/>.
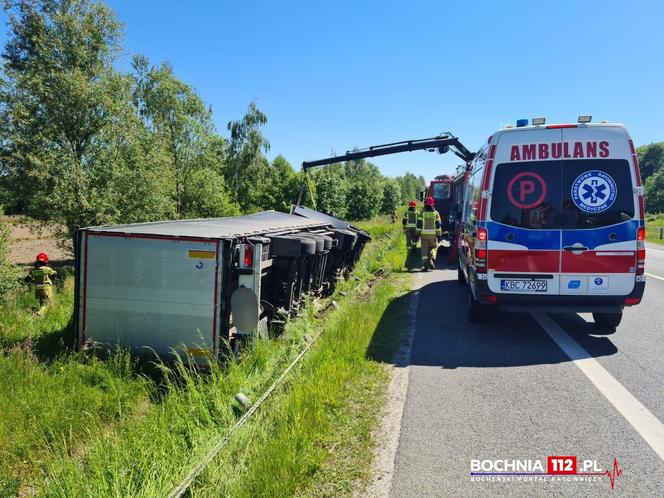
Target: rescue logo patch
<point x="594" y="191"/>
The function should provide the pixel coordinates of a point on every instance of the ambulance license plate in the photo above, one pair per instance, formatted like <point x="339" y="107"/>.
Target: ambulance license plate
<point x="523" y="285"/>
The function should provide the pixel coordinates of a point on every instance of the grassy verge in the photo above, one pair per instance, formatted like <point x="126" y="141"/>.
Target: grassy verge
<point x="50" y="402"/>
<point x="653" y="223"/>
<point x="73" y="425"/>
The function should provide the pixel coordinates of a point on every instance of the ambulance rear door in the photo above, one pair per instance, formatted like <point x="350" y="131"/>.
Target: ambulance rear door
<point x="524" y="234"/>
<point x="600" y="212"/>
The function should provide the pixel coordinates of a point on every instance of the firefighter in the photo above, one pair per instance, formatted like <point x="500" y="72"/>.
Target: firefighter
<point x="429" y="229"/>
<point x="40" y="276"/>
<point x="409" y="223"/>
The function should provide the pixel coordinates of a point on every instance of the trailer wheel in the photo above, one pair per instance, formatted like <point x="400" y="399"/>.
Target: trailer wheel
<point x="308" y="245"/>
<point x="607" y="320"/>
<point x="477" y="312"/>
<point x="318" y="240"/>
<point x="285" y="246"/>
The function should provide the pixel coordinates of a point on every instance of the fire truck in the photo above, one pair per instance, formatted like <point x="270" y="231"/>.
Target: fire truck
<point x="442" y="189"/>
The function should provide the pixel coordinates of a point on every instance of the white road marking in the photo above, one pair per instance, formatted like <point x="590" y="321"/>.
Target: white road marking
<point x="654" y="276"/>
<point x="649" y="248"/>
<point x="639" y="417"/>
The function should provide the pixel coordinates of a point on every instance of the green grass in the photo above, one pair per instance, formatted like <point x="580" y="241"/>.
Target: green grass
<point x="52" y="402"/>
<point x="74" y="425"/>
<point x="653" y="223"/>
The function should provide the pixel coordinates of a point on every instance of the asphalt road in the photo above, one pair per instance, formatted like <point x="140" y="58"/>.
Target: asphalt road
<point x="527" y="387"/>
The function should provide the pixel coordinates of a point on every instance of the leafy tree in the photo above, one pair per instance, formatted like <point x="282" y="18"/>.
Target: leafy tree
<point x="247" y="167"/>
<point x="179" y="119"/>
<point x="651" y="159"/>
<point x="411" y="186"/>
<point x="364" y="199"/>
<point x="60" y="94"/>
<point x="331" y="190"/>
<point x="281" y="187"/>
<point x="654" y="192"/>
<point x="206" y="196"/>
<point x="391" y="196"/>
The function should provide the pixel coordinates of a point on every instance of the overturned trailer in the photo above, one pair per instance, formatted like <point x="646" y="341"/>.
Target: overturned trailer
<point x="197" y="285"/>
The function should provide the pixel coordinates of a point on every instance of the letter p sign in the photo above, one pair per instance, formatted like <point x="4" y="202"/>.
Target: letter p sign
<point x="526" y="190"/>
<point x="525" y="187"/>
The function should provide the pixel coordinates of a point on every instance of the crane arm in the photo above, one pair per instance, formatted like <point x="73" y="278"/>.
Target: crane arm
<point x="441" y="144"/>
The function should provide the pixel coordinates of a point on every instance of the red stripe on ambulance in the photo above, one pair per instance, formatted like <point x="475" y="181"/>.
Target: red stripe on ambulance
<point x="527" y="261"/>
<point x="596" y="262"/>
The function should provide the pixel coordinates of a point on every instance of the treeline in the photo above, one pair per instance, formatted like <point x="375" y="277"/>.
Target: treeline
<point x="82" y="143"/>
<point x="651" y="164"/>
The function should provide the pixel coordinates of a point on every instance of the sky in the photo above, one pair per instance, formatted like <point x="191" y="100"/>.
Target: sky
<point x="332" y="76"/>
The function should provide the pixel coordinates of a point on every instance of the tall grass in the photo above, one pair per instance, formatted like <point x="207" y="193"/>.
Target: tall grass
<point x="653" y="224"/>
<point x="51" y="402"/>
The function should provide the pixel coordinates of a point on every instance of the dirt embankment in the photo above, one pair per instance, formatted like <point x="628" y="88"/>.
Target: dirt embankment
<point x="28" y="238"/>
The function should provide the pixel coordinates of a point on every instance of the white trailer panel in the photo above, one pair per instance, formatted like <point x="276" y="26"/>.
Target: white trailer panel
<point x="161" y="291"/>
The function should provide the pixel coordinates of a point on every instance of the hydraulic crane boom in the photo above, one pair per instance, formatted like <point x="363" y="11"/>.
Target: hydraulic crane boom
<point x="441" y="144"/>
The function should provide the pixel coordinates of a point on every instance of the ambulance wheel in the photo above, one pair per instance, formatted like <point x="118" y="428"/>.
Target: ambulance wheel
<point x="477" y="311"/>
<point x="607" y="320"/>
<point x="461" y="278"/>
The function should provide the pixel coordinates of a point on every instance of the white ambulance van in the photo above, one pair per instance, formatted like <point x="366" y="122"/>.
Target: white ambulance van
<point x="553" y="221"/>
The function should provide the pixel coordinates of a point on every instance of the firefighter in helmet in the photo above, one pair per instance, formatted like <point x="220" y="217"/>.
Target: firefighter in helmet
<point x="40" y="276"/>
<point x="429" y="229"/>
<point x="409" y="223"/>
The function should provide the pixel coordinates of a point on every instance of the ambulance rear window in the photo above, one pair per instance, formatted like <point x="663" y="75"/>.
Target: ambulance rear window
<point x="527" y="194"/>
<point x="570" y="194"/>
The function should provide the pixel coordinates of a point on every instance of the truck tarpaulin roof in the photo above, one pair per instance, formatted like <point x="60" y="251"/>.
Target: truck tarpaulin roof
<point x="218" y="228"/>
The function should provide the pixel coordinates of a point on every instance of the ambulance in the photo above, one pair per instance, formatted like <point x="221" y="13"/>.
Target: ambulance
<point x="553" y="221"/>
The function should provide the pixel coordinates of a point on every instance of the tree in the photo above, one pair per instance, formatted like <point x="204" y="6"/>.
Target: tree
<point x="206" y="196"/>
<point x="331" y="190"/>
<point x="59" y="96"/>
<point x="179" y="119"/>
<point x="411" y="186"/>
<point x="247" y="167"/>
<point x="391" y="196"/>
<point x="281" y="186"/>
<point x="364" y="199"/>
<point x="654" y="192"/>
<point x="651" y="159"/>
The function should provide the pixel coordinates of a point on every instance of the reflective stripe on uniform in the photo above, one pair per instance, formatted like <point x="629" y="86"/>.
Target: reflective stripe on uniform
<point x="429" y="222"/>
<point x="411" y="219"/>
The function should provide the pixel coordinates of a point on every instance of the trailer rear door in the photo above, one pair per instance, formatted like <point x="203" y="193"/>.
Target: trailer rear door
<point x="156" y="291"/>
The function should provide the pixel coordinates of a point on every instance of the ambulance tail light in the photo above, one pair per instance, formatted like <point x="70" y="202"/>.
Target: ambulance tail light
<point x="491" y="298"/>
<point x="637" y="172"/>
<point x="480" y="249"/>
<point x="631" y="301"/>
<point x="555" y="126"/>
<point x="484" y="197"/>
<point x="641" y="250"/>
<point x="248" y="256"/>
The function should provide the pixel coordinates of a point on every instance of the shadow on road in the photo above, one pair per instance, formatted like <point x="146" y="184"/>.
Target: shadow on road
<point x="445" y="338"/>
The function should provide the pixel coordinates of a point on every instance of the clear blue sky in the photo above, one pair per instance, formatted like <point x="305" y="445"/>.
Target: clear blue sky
<point x="336" y="75"/>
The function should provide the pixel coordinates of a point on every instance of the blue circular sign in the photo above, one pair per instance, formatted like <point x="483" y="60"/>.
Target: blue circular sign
<point x="594" y="191"/>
